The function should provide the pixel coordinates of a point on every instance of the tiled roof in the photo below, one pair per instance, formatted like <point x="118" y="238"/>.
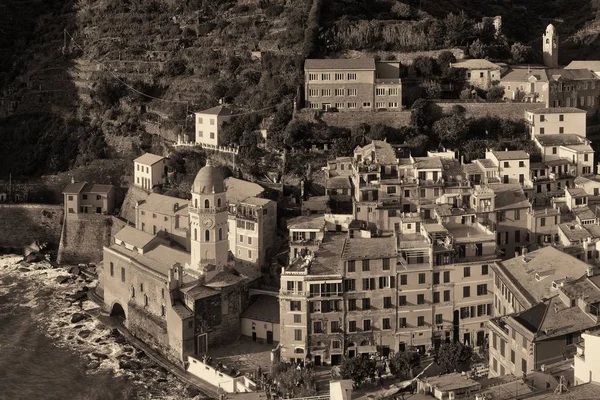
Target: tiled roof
<point x="549" y="263"/>
<point x="580" y="148"/>
<point x="587" y="391"/>
<point x="560" y="161"/>
<point x="316" y="203"/>
<point x="486" y="163"/>
<point x="574" y="232"/>
<point x="476" y="63"/>
<point x="339" y="182"/>
<point x="238" y="190"/>
<point x="148" y="159"/>
<point x="340" y="63"/>
<point x="134" y="237"/>
<point x="523" y="75"/>
<point x="265" y="308"/>
<point x="162" y="204"/>
<point x="509" y="196"/>
<point x="511" y="155"/>
<point x="472" y="169"/>
<point x="571" y="74"/>
<point x="584" y="213"/>
<point x="428" y="163"/>
<point x="98" y="188"/>
<point x="557" y="110"/>
<point x="74" y="188"/>
<point x="162" y="258"/>
<point x="326" y="260"/>
<point x="559" y="139"/>
<point x="223" y="279"/>
<point x="384" y="152"/>
<point x="577" y="192"/>
<point x="592" y="65"/>
<point x="369" y="248"/>
<point x="316" y="221"/>
<point x="182" y="311"/>
<point x="256" y="201"/>
<point x="218" y="110"/>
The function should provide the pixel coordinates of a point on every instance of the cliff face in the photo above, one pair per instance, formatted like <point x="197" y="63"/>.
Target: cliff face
<point x="21" y="224"/>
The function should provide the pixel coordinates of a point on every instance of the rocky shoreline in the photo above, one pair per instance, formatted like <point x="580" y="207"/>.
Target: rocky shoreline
<point x="62" y="310"/>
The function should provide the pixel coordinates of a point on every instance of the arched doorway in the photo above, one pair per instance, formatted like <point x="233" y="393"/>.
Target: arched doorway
<point x="117" y="311"/>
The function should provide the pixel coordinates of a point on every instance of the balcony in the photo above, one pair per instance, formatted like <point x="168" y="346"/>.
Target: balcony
<point x="389" y="81"/>
<point x="430" y="182"/>
<point x="293" y="293"/>
<point x="367" y="168"/>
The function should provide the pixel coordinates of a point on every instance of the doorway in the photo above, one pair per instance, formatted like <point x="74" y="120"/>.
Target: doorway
<point x="480" y="338"/>
<point x="467" y="338"/>
<point x="254" y="336"/>
<point x="270" y="337"/>
<point x="351" y="353"/>
<point x="201" y="344"/>
<point x="336" y="359"/>
<point x="317" y="360"/>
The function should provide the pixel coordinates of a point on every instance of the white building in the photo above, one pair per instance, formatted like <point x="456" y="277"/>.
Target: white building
<point x="587" y="360"/>
<point x="513" y="166"/>
<point x="148" y="170"/>
<point x="209" y="122"/>
<point x="556" y="121"/>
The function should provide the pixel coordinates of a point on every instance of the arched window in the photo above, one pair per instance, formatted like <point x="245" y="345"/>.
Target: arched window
<point x="196" y="203"/>
<point x="220" y="233"/>
<point x="219" y="202"/>
<point x="207" y="235"/>
<point x="206" y="203"/>
<point x="547" y="40"/>
<point x="195" y="234"/>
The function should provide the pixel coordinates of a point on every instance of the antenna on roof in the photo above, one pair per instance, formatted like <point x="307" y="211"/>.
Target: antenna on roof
<point x="561" y="388"/>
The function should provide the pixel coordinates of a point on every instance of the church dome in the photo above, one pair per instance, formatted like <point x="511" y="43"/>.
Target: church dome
<point x="208" y="180"/>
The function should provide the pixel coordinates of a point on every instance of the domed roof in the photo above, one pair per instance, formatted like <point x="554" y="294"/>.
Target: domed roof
<point x="550" y="29"/>
<point x="208" y="180"/>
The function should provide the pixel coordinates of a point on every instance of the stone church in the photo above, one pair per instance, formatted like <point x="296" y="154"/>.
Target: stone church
<point x="180" y="302"/>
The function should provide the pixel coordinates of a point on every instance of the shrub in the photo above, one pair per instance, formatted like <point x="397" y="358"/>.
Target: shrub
<point x="274" y="10"/>
<point x="358" y="369"/>
<point x="495" y="93"/>
<point x="175" y="67"/>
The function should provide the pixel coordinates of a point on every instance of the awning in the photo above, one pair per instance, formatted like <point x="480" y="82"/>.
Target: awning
<point x="367" y="349"/>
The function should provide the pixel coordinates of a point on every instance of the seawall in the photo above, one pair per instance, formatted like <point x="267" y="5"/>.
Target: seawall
<point x="22" y="224"/>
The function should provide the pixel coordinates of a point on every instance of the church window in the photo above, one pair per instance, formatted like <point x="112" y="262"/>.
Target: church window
<point x="219" y="202"/>
<point x="196" y="203"/>
<point x="146" y="301"/>
<point x="206" y="203"/>
<point x="207" y="236"/>
<point x="195" y="234"/>
<point x="547" y="41"/>
<point x="220" y="234"/>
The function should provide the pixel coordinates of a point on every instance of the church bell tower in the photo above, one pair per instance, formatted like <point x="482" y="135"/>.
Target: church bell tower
<point x="208" y="222"/>
<point x="550" y="47"/>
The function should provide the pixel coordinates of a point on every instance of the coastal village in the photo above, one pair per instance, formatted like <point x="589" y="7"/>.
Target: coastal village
<point x="497" y="257"/>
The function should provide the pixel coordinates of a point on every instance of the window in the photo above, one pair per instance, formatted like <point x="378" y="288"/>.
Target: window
<point x="420" y="320"/>
<point x="367" y="104"/>
<point x="142" y="287"/>
<point x="585" y="157"/>
<point x="402" y="322"/>
<point x="524" y="342"/>
<point x="387" y="323"/>
<point x="524" y="366"/>
<point x="466" y="291"/>
<point x="403" y="280"/>
<point x="446" y="276"/>
<point x="146" y="301"/>
<point x="351" y="105"/>
<point x="467" y="272"/>
<point x="561" y="117"/>
<point x="339" y="92"/>
<point x="249" y="253"/>
<point x="295" y="306"/>
<point x="542" y="118"/>
<point x="436" y="297"/>
<point x="402" y="300"/>
<point x="387" y="302"/>
<point x="112" y="269"/>
<point x="380" y="91"/>
<point x="392" y="92"/>
<point x="122" y="274"/>
<point x="325" y="77"/>
<point x="325" y="92"/>
<point x="336" y="344"/>
<point x="464" y="313"/>
<point x="349" y="285"/>
<point x="517" y="236"/>
<point x="313" y="77"/>
<point x="439" y="319"/>
<point x="554" y="150"/>
<point x="297" y="334"/>
<point x="542" y="131"/>
<point x="380" y="104"/>
<point x="212" y="135"/>
<point x="482" y="289"/>
<point x="506" y="164"/>
<point x="582" y="101"/>
<point x="446" y="295"/>
<point x="163" y="310"/>
<point x="351" y="266"/>
<point x="542" y="221"/>
<point x="386" y="264"/>
<point x="212" y="121"/>
<point x="484" y="269"/>
<point x="338" y="77"/>
<point x="335" y="326"/>
<point x="207" y="235"/>
<point x="317" y="327"/>
<point x="366" y="325"/>
<point x="393" y="104"/>
<point x="351" y="92"/>
<point x="351" y="326"/>
<point x="366" y="266"/>
<point x="366" y="304"/>
<point x="351" y="304"/>
<point x="512" y="356"/>
<point x="352" y="77"/>
<point x="421" y="278"/>
<point x="436" y="278"/>
<point x="561" y="130"/>
<point x="420" y="299"/>
<point x="313" y="92"/>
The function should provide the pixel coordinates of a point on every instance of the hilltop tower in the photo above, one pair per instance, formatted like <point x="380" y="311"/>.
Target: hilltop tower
<point x="550" y="47"/>
<point x="208" y="222"/>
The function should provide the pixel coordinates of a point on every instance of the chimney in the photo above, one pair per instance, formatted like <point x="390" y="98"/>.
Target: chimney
<point x="72" y="179"/>
<point x="506" y="149"/>
<point x="462" y="159"/>
<point x="517" y="254"/>
<point x="175" y="207"/>
<point x="523" y="251"/>
<point x="590" y="271"/>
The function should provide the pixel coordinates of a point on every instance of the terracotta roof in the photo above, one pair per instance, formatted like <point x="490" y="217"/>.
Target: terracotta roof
<point x="238" y="190"/>
<point x="559" y="139"/>
<point x="339" y="182"/>
<point x="134" y="237"/>
<point x="148" y="159"/>
<point x="592" y="65"/>
<point x="487" y="163"/>
<point x="218" y="110"/>
<point x="265" y="308"/>
<point x="574" y="232"/>
<point x="428" y="163"/>
<point x="316" y="221"/>
<point x="326" y="260"/>
<point x="384" y="152"/>
<point x="182" y="311"/>
<point x="571" y="74"/>
<point x="523" y="75"/>
<point x="509" y="196"/>
<point x="577" y="192"/>
<point x="511" y="155"/>
<point x="476" y="63"/>
<point x="98" y="188"/>
<point x="369" y="248"/>
<point x="340" y="63"/>
<point x="162" y="204"/>
<point x="557" y="110"/>
<point x="223" y="279"/>
<point x="74" y="188"/>
<point x="586" y="391"/>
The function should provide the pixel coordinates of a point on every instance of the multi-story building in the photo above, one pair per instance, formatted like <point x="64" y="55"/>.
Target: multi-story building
<point x="525" y="84"/>
<point x="513" y="166"/>
<point x="164" y="215"/>
<point x="567" y="155"/>
<point x="86" y="198"/>
<point x="556" y="121"/>
<point x="550" y="298"/>
<point x="352" y="84"/>
<point x="479" y="73"/>
<point x="149" y="170"/>
<point x="209" y="123"/>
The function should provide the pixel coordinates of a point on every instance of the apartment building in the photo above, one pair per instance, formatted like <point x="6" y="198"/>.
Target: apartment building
<point x="566" y="154"/>
<point x="544" y="300"/>
<point x="87" y="198"/>
<point x="209" y="123"/>
<point x="556" y="121"/>
<point x="479" y="73"/>
<point x="149" y="170"/>
<point x="352" y="84"/>
<point x="513" y="166"/>
<point x="525" y="84"/>
<point x="573" y="88"/>
<point x="164" y="215"/>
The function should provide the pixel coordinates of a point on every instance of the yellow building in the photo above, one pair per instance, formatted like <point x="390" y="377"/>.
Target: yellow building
<point x="209" y="123"/>
<point x="149" y="170"/>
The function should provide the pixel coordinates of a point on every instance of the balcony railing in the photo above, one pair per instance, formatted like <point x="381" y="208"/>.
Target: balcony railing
<point x="389" y="81"/>
<point x="293" y="293"/>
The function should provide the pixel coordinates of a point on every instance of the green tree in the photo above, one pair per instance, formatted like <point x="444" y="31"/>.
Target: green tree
<point x="478" y="49"/>
<point x="175" y="67"/>
<point x="458" y="29"/>
<point x="358" y="369"/>
<point x="403" y="363"/>
<point x="520" y="53"/>
<point x="424" y="66"/>
<point x="451" y="130"/>
<point x="444" y="59"/>
<point x="418" y="115"/>
<point x="432" y="89"/>
<point x="495" y="93"/>
<point x="291" y="382"/>
<point x="454" y="356"/>
<point x="342" y="147"/>
<point x="360" y="133"/>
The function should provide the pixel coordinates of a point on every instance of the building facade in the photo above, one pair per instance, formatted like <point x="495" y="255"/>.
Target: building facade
<point x="86" y="198"/>
<point x="149" y="170"/>
<point x="209" y="123"/>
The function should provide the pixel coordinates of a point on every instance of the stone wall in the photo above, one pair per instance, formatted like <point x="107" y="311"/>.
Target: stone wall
<point x="21" y="224"/>
<point x="513" y="111"/>
<point x="83" y="237"/>
<point x="133" y="195"/>
<point x="149" y="329"/>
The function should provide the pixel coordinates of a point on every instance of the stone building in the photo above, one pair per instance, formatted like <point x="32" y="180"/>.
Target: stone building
<point x="179" y="301"/>
<point x="86" y="198"/>
<point x="352" y="84"/>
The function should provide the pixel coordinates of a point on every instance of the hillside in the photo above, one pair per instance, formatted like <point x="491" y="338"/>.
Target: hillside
<point x="106" y="79"/>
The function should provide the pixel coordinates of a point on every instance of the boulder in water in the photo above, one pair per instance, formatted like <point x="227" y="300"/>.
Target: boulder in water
<point x="62" y="279"/>
<point x="99" y="356"/>
<point x="78" y="317"/>
<point x="130" y="364"/>
<point x="74" y="270"/>
<point x="93" y="365"/>
<point x="84" y="334"/>
<point x="23" y="269"/>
